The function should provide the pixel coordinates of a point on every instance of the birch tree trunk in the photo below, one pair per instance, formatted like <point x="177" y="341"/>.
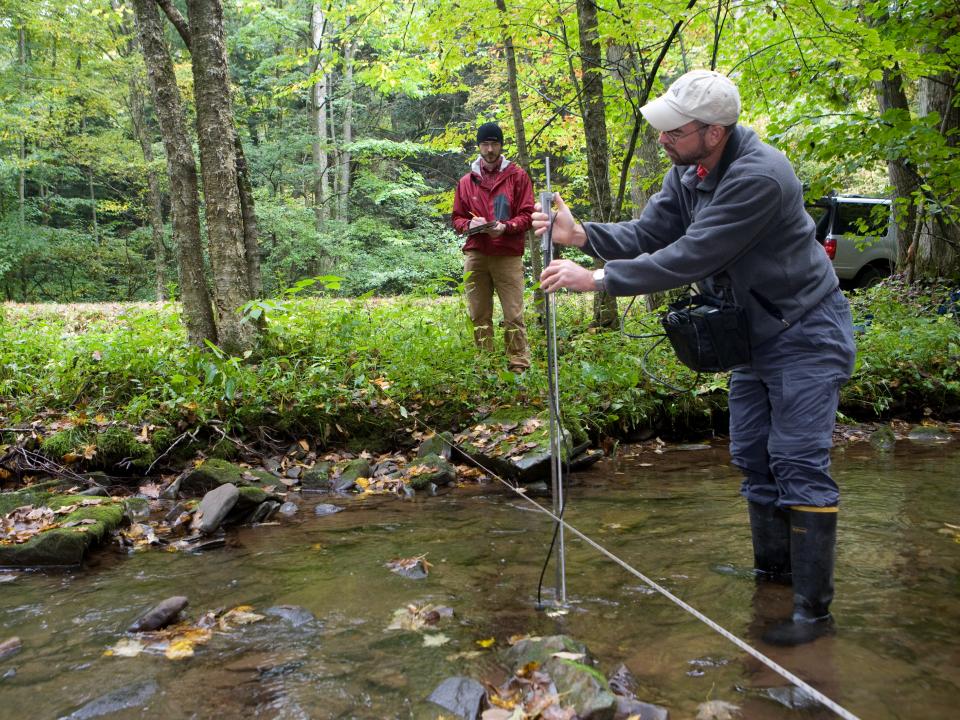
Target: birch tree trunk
<point x="318" y="121"/>
<point x="181" y="173"/>
<point x="218" y="168"/>
<point x="595" y="132"/>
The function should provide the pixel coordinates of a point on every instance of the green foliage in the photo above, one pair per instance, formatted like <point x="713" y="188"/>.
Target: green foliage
<point x="359" y="370"/>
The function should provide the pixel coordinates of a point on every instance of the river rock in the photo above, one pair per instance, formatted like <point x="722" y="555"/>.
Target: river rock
<point x="718" y="710"/>
<point x="288" y="509"/>
<point x="214" y="508"/>
<point x="883" y="439"/>
<point x="585" y="459"/>
<point x="633" y="709"/>
<point x="347" y="478"/>
<point x="64" y="546"/>
<point x="125" y="698"/>
<point x="576" y="680"/>
<point x="264" y="512"/>
<point x="438" y="444"/>
<point x="160" y="615"/>
<point x="10" y="646"/>
<point x="929" y="434"/>
<point x="317" y="478"/>
<point x="438" y="471"/>
<point x="215" y="472"/>
<point x="512" y="443"/>
<point x="326" y="509"/>
<point x="462" y="696"/>
<point x="292" y="614"/>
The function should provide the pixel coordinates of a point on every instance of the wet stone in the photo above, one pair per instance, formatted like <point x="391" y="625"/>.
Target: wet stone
<point x="317" y="478"/>
<point x="294" y="472"/>
<point x="326" y="509"/>
<point x="288" y="509"/>
<point x="293" y="615"/>
<point x="264" y="511"/>
<point x="638" y="710"/>
<point x="9" y="647"/>
<point x="883" y="439"/>
<point x="124" y="698"/>
<point x="441" y="445"/>
<point x="159" y="615"/>
<point x="461" y="696"/>
<point x="215" y="506"/>
<point x="929" y="433"/>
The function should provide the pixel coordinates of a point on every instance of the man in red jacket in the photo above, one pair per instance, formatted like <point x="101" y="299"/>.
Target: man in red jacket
<point x="492" y="207"/>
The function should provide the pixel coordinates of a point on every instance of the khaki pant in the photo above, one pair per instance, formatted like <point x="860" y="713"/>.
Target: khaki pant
<point x="503" y="273"/>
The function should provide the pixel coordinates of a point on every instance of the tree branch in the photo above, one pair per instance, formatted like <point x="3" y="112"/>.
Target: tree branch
<point x="178" y="20"/>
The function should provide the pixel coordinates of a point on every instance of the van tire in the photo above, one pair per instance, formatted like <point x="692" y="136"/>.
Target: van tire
<point x="870" y="275"/>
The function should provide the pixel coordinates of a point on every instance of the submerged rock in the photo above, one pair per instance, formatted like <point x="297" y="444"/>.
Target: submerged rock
<point x="160" y="615"/>
<point x="292" y="614"/>
<point x="124" y="698"/>
<point x="10" y="646"/>
<point x="326" y="509"/>
<point x="930" y="433"/>
<point x="569" y="665"/>
<point x="883" y="439"/>
<point x="633" y="709"/>
<point x="462" y="696"/>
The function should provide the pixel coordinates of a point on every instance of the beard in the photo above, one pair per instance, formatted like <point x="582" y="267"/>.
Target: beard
<point x="690" y="157"/>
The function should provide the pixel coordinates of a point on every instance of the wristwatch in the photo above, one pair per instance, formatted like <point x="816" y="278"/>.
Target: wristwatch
<point x="598" y="280"/>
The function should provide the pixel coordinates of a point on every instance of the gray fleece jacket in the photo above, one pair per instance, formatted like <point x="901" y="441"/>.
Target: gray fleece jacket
<point x="746" y="218"/>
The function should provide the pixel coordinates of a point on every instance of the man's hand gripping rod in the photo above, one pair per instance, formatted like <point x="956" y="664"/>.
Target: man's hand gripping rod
<point x="556" y="459"/>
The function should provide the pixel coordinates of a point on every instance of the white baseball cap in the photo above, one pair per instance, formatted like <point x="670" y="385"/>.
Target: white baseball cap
<point x="702" y="95"/>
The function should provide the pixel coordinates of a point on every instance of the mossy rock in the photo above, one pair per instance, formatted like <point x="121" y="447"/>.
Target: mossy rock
<point x="224" y="450"/>
<point x="33" y="495"/>
<point x="214" y="472"/>
<point x="580" y="684"/>
<point x="65" y="546"/>
<point x="440" y="472"/>
<point x="317" y="478"/>
<point x="118" y="444"/>
<point x="513" y="443"/>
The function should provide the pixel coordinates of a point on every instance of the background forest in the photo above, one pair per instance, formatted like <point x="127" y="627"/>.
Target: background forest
<point x="352" y="120"/>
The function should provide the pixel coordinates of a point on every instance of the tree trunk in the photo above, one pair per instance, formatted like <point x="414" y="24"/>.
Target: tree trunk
<point x="22" y="174"/>
<point x="346" y="135"/>
<point x="181" y="172"/>
<point x="938" y="250"/>
<point x="595" y="132"/>
<point x="138" y="117"/>
<point x="523" y="157"/>
<point x="890" y="96"/>
<point x="251" y="233"/>
<point x="318" y="112"/>
<point x="218" y="168"/>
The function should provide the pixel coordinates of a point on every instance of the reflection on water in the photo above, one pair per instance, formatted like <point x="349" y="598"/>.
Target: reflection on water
<point x="676" y="517"/>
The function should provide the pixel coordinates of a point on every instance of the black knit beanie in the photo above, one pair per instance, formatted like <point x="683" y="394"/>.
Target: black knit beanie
<point x="489" y="132"/>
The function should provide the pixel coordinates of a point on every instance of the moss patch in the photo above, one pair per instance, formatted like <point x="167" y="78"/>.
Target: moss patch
<point x="117" y="444"/>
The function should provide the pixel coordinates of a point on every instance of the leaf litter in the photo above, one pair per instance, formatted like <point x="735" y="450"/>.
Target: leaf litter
<point x="178" y="642"/>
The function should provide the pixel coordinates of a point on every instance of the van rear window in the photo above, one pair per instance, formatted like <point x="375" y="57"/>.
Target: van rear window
<point x="862" y="219"/>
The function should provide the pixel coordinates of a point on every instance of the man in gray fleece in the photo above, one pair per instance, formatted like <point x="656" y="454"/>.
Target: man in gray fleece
<point x="731" y="213"/>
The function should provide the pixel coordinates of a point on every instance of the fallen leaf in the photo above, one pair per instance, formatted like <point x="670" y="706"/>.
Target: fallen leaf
<point x="125" y="648"/>
<point x="569" y="656"/>
<point x="486" y="643"/>
<point x="435" y="640"/>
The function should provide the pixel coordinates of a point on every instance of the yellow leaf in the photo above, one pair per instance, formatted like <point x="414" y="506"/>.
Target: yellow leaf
<point x="363" y="482"/>
<point x="487" y="643"/>
<point x="179" y="649"/>
<point x="304" y="444"/>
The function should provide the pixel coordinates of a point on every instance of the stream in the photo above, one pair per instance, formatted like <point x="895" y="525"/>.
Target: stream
<point x="676" y="516"/>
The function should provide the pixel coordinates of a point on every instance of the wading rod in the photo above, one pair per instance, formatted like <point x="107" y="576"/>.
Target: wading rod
<point x="553" y="393"/>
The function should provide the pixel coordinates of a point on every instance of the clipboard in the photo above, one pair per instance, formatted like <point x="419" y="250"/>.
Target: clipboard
<point x="478" y="229"/>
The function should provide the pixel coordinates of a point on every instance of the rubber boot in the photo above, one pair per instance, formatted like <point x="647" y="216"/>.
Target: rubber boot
<point x="770" y="530"/>
<point x="813" y="538"/>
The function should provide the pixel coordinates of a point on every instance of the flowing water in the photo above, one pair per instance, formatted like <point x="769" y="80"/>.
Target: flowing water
<point x="675" y="516"/>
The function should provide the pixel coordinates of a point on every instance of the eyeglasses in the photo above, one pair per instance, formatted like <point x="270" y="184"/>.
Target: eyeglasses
<point x="674" y="136"/>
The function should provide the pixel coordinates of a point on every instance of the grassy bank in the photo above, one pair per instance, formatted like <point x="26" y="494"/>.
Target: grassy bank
<point x="119" y="382"/>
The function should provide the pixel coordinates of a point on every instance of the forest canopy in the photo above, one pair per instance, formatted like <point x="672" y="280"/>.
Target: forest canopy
<point x="352" y="120"/>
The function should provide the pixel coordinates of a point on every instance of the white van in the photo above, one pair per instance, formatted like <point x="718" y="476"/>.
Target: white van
<point x="859" y="236"/>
